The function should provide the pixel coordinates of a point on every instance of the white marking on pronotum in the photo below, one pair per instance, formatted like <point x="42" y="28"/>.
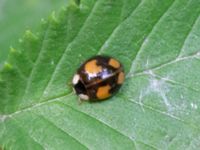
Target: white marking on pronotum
<point x="75" y="79"/>
<point x="83" y="97"/>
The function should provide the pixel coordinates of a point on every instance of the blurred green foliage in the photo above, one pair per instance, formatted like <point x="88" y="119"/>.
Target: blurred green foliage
<point x="18" y="15"/>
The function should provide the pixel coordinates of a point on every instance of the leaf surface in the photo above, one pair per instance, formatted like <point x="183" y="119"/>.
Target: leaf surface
<point x="158" y="105"/>
<point x="17" y="16"/>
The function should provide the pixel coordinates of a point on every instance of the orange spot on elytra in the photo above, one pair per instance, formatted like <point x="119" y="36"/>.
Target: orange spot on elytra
<point x="91" y="67"/>
<point x="103" y="92"/>
<point x="114" y="63"/>
<point x="120" y="79"/>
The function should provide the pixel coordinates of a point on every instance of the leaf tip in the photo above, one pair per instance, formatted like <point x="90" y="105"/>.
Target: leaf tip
<point x="20" y="40"/>
<point x="74" y="3"/>
<point x="43" y="21"/>
<point x="53" y="17"/>
<point x="30" y="35"/>
<point x="12" y="50"/>
<point x="7" y="66"/>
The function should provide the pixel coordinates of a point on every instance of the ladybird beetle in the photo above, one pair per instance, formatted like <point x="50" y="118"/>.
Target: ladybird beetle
<point x="98" y="78"/>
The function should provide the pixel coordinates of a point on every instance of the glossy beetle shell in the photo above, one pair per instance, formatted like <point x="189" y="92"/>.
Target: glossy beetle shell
<point x="98" y="78"/>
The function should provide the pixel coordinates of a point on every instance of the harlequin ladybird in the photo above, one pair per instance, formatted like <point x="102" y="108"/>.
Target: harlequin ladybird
<point x="98" y="78"/>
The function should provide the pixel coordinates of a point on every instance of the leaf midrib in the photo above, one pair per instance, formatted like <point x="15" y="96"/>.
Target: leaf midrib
<point x="12" y="116"/>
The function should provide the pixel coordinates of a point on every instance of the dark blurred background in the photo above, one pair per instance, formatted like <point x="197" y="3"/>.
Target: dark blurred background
<point x="16" y="16"/>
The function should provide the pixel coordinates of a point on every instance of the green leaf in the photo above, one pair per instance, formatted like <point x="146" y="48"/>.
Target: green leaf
<point x="158" y="107"/>
<point x="17" y="15"/>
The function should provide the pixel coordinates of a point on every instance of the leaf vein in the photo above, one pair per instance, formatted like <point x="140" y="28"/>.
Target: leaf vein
<point x="149" y="34"/>
<point x="36" y="63"/>
<point x="29" y="108"/>
<point x="163" y="113"/>
<point x="18" y="125"/>
<point x="187" y="36"/>
<point x="177" y="83"/>
<point x="20" y="72"/>
<point x="115" y="29"/>
<point x="50" y="122"/>
<point x="195" y="55"/>
<point x="100" y="121"/>
<point x="66" y="49"/>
